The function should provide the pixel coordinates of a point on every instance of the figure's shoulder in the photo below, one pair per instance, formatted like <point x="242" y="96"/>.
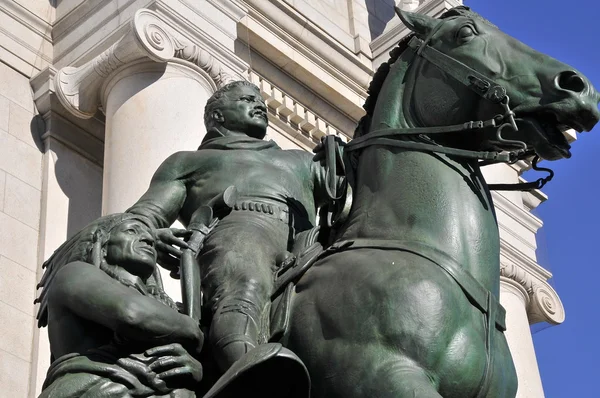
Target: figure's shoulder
<point x="77" y="269"/>
<point x="297" y="155"/>
<point x="76" y="274"/>
<point x="181" y="162"/>
<point x="183" y="157"/>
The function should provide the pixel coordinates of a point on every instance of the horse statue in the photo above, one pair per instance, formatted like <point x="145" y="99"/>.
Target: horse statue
<point x="405" y="301"/>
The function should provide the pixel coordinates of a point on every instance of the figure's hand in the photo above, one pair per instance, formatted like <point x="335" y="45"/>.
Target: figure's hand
<point x="145" y="374"/>
<point x="174" y="365"/>
<point x="321" y="149"/>
<point x="319" y="152"/>
<point x="169" y="245"/>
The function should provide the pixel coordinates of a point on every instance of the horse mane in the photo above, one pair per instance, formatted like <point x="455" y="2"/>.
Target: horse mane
<point x="381" y="73"/>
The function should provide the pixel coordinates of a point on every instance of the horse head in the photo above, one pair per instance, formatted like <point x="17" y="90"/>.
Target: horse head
<point x="546" y="96"/>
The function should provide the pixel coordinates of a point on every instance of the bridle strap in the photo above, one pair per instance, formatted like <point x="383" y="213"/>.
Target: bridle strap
<point x="474" y="80"/>
<point x="472" y="125"/>
<point x="491" y="157"/>
<point x="481" y="85"/>
<point x="526" y="186"/>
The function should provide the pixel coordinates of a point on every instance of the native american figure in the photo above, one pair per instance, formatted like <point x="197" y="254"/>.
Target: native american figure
<point x="113" y="331"/>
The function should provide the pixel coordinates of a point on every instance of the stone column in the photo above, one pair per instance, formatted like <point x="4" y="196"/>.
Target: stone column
<point x="527" y="301"/>
<point x="152" y="85"/>
<point x="71" y="175"/>
<point x="152" y="111"/>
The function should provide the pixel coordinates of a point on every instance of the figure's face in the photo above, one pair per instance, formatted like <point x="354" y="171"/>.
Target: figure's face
<point x="243" y="110"/>
<point x="132" y="246"/>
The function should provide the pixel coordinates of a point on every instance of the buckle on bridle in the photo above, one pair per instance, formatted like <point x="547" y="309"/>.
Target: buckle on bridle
<point x="480" y="85"/>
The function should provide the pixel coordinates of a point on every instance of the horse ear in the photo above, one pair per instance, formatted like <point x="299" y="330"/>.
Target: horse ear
<point x="418" y="23"/>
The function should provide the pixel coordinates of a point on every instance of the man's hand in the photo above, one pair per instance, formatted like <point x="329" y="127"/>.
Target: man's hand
<point x="150" y="383"/>
<point x="175" y="366"/>
<point x="169" y="245"/>
<point x="332" y="147"/>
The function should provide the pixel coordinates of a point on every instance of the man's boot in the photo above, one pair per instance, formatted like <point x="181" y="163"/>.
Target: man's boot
<point x="267" y="371"/>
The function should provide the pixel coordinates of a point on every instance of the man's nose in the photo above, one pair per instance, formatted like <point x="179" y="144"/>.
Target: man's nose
<point x="260" y="105"/>
<point x="147" y="238"/>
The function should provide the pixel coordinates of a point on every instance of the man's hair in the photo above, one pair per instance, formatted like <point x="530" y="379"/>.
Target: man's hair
<point x="216" y="100"/>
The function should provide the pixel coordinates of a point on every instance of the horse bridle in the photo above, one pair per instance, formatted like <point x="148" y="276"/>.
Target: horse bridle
<point x="485" y="88"/>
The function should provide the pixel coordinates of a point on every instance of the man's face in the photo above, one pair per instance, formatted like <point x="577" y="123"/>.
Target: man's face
<point x="243" y="110"/>
<point x="132" y="246"/>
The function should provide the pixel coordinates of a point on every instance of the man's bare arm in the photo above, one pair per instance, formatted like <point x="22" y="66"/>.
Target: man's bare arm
<point x="167" y="192"/>
<point x="91" y="294"/>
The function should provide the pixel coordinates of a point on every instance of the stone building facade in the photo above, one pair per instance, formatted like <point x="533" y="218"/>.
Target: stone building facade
<point x="95" y="94"/>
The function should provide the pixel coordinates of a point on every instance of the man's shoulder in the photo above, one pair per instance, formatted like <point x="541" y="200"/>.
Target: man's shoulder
<point x="183" y="156"/>
<point x="76" y="273"/>
<point x="78" y="269"/>
<point x="182" y="160"/>
<point x="297" y="154"/>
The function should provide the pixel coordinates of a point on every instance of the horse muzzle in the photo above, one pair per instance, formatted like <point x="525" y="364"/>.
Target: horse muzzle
<point x="577" y="105"/>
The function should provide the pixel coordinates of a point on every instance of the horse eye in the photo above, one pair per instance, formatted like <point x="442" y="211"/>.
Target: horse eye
<point x="465" y="33"/>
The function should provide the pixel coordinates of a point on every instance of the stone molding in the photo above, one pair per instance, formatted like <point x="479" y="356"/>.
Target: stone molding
<point x="148" y="37"/>
<point x="84" y="136"/>
<point x="296" y="116"/>
<point x="542" y="302"/>
<point x="516" y="222"/>
<point x="297" y="46"/>
<point x="26" y="43"/>
<point x="234" y="9"/>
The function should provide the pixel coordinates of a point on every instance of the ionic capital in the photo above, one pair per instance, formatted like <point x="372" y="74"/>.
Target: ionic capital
<point x="148" y="37"/>
<point x="543" y="303"/>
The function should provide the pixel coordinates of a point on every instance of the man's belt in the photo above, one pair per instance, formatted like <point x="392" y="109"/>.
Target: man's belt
<point x="272" y="211"/>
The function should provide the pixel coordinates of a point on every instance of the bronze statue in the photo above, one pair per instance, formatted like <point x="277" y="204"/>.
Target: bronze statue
<point x="405" y="302"/>
<point x="279" y="192"/>
<point x="113" y="331"/>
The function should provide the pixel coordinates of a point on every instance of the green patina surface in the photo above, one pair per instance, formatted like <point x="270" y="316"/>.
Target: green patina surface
<point x="408" y="304"/>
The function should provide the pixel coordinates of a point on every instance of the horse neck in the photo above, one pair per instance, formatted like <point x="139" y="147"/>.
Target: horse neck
<point x="422" y="197"/>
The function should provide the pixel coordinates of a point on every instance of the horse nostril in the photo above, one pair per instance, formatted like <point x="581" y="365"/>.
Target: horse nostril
<point x="570" y="81"/>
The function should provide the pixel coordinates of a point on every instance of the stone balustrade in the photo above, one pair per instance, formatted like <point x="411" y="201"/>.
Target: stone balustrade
<point x="294" y="114"/>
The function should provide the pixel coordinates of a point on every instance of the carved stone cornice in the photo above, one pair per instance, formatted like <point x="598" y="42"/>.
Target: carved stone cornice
<point x="84" y="136"/>
<point x="543" y="303"/>
<point x="148" y="37"/>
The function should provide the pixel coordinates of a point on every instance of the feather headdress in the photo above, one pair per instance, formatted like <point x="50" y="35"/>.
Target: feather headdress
<point x="86" y="246"/>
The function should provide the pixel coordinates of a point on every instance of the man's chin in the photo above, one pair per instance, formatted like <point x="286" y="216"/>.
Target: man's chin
<point x="259" y="135"/>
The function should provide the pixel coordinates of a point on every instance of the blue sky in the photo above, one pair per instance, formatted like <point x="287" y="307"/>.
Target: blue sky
<point x="568" y="244"/>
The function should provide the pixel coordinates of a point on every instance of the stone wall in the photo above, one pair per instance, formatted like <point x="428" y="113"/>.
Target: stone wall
<point x="25" y="48"/>
<point x="20" y="198"/>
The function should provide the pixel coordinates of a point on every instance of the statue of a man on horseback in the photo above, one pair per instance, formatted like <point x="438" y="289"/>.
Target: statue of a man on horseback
<point x="405" y="301"/>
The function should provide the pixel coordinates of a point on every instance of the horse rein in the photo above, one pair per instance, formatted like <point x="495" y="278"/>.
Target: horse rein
<point x="485" y="88"/>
